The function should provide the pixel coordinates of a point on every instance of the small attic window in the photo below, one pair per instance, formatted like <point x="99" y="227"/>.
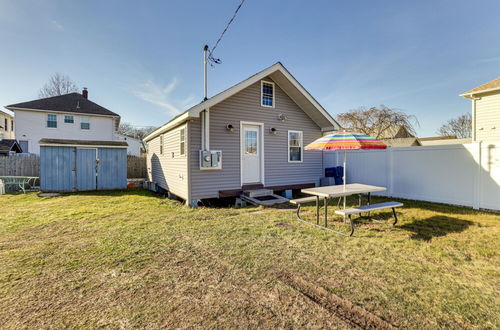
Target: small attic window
<point x="267" y="94"/>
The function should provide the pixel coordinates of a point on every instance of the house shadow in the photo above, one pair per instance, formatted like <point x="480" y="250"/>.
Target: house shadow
<point x="436" y="226"/>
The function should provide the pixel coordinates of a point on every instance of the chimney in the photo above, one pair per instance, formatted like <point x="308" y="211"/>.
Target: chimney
<point x="85" y="93"/>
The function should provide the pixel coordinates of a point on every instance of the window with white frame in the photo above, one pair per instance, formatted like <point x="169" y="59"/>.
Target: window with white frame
<point x="51" y="120"/>
<point x="85" y="123"/>
<point x="182" y="141"/>
<point x="69" y="119"/>
<point x="295" y="146"/>
<point x="161" y="144"/>
<point x="267" y="94"/>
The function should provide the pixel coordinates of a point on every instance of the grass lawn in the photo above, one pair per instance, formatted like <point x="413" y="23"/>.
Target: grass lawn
<point x="130" y="259"/>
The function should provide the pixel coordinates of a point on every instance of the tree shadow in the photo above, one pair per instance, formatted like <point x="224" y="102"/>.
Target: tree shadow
<point x="435" y="226"/>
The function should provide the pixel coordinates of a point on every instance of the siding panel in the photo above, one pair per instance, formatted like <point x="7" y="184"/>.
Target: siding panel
<point x="488" y="117"/>
<point x="169" y="170"/>
<point x="245" y="106"/>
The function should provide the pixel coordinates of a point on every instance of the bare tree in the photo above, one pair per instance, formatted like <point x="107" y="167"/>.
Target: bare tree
<point x="461" y="127"/>
<point x="137" y="132"/>
<point x="58" y="84"/>
<point x="377" y="122"/>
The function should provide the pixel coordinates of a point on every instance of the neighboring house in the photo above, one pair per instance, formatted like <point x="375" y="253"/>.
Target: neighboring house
<point x="134" y="145"/>
<point x="398" y="136"/>
<point x="8" y="147"/>
<point x="6" y="126"/>
<point x="70" y="116"/>
<point x="485" y="111"/>
<point x="249" y="136"/>
<point x="442" y="140"/>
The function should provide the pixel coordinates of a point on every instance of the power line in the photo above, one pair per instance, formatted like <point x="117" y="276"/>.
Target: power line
<point x="210" y="56"/>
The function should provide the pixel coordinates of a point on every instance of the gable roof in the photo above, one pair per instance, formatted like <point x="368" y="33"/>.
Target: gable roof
<point x="490" y="86"/>
<point x="71" y="103"/>
<point x="7" y="145"/>
<point x="282" y="78"/>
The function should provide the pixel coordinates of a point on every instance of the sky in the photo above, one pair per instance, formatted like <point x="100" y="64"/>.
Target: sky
<point x="143" y="59"/>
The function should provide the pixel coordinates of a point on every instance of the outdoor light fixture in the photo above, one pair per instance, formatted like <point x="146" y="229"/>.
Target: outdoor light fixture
<point x="282" y="117"/>
<point x="273" y="131"/>
<point x="230" y="128"/>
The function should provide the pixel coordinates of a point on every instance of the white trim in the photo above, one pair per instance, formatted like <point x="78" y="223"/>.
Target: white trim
<point x="301" y="146"/>
<point x="61" y="112"/>
<point x="262" y="162"/>
<point x="183" y="155"/>
<point x="195" y="111"/>
<point x="81" y="122"/>
<point x="262" y="82"/>
<point x="77" y="146"/>
<point x="471" y="95"/>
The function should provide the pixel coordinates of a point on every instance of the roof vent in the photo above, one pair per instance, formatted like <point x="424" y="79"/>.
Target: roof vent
<point x="85" y="93"/>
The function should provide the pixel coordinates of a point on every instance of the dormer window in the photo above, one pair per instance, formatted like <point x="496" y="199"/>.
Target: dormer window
<point x="267" y="94"/>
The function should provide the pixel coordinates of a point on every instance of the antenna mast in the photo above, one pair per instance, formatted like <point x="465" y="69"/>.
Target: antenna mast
<point x="205" y="49"/>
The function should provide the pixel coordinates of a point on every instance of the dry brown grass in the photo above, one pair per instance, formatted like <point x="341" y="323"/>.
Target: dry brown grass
<point x="130" y="259"/>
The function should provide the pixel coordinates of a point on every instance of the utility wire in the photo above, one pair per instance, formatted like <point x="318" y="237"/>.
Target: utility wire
<point x="210" y="53"/>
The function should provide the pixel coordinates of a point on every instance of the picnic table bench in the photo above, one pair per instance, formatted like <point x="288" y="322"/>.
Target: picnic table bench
<point x="20" y="181"/>
<point x="328" y="192"/>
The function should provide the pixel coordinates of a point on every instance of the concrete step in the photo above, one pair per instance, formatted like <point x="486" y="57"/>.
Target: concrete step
<point x="257" y="192"/>
<point x="266" y="200"/>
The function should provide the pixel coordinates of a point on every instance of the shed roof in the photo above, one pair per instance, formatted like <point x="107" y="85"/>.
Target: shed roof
<point x="88" y="143"/>
<point x="282" y="78"/>
<point x="8" y="145"/>
<point x="71" y="103"/>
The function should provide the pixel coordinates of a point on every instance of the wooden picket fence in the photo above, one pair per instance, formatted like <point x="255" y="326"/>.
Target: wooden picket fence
<point x="20" y="166"/>
<point x="30" y="166"/>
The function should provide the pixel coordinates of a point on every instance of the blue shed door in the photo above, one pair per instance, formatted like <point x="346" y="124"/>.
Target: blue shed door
<point x="86" y="174"/>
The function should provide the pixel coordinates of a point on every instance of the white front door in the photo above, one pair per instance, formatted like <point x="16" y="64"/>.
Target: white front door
<point x="251" y="154"/>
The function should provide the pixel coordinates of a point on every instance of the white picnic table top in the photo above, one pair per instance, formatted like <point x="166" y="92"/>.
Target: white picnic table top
<point x="339" y="190"/>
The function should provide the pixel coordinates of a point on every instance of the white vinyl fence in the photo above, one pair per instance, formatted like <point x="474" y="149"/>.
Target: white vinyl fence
<point x="462" y="174"/>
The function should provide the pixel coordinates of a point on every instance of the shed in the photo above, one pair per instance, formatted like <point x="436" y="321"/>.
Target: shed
<point x="81" y="165"/>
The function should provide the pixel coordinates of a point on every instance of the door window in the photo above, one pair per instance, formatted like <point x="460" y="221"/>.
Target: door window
<point x="251" y="142"/>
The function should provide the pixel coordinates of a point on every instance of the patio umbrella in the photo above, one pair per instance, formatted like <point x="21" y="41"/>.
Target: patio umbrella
<point x="345" y="141"/>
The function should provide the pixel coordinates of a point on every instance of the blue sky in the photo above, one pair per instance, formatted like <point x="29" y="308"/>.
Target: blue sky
<point x="143" y="59"/>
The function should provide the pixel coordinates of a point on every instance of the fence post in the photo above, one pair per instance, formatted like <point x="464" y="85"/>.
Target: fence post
<point x="389" y="171"/>
<point x="476" y="204"/>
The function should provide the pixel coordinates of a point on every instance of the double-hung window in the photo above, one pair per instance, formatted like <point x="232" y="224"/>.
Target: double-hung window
<point x="295" y="146"/>
<point x="69" y="119"/>
<point x="51" y="120"/>
<point x="182" y="141"/>
<point x="161" y="144"/>
<point x="85" y="123"/>
<point x="267" y="94"/>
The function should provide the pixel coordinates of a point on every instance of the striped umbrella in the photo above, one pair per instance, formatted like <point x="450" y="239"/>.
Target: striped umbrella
<point x="345" y="141"/>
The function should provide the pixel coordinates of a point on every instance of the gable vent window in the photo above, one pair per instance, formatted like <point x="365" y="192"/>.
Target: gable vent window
<point x="182" y="141"/>
<point x="69" y="119"/>
<point x="267" y="94"/>
<point x="51" y="121"/>
<point x="85" y="123"/>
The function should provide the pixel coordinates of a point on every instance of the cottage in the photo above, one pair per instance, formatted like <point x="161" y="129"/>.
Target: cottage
<point x="249" y="136"/>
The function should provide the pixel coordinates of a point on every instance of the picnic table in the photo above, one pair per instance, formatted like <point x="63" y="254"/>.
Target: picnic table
<point x="328" y="192"/>
<point x="21" y="182"/>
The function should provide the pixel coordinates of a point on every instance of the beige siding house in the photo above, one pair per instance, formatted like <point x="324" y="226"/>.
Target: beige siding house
<point x="485" y="111"/>
<point x="6" y="126"/>
<point x="249" y="136"/>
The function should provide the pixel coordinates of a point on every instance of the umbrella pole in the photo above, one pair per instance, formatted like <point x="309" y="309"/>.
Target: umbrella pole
<point x="344" y="177"/>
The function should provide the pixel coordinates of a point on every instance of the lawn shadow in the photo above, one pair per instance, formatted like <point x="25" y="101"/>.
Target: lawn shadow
<point x="435" y="226"/>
